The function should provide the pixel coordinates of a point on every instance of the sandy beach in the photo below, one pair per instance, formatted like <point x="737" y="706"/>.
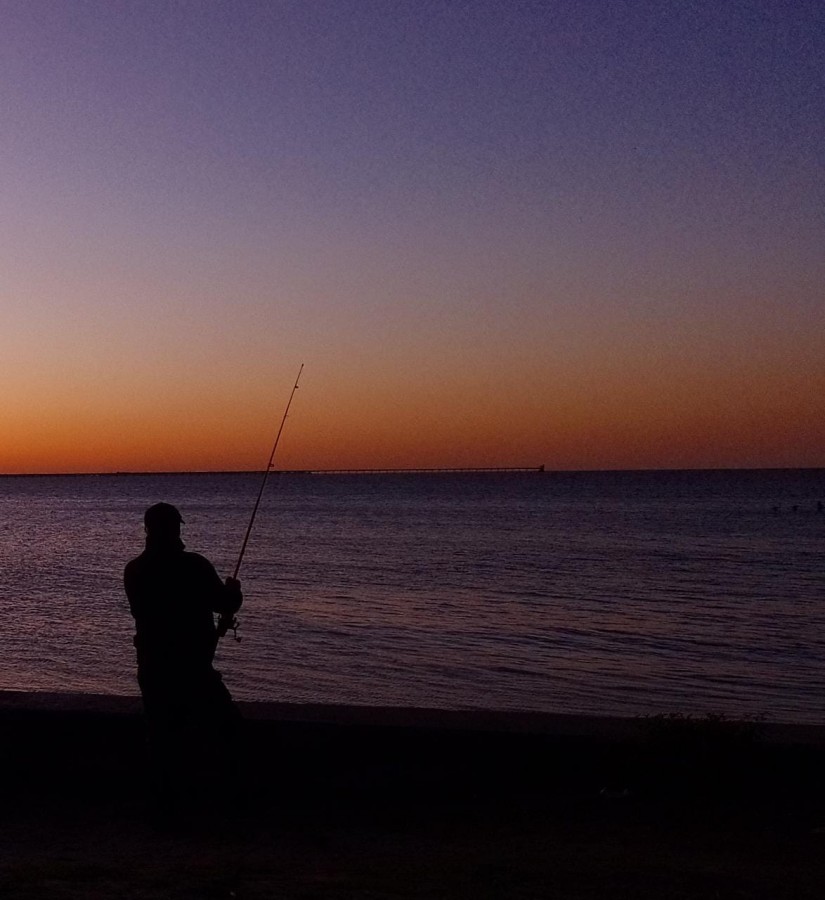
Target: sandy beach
<point x="388" y="803"/>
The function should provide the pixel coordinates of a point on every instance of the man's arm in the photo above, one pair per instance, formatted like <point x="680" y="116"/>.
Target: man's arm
<point x="130" y="586"/>
<point x="225" y="597"/>
<point x="233" y="597"/>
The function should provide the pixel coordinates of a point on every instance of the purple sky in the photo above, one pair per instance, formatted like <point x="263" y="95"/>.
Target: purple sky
<point x="584" y="234"/>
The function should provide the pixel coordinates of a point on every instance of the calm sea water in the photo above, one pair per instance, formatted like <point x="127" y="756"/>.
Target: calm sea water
<point x="609" y="593"/>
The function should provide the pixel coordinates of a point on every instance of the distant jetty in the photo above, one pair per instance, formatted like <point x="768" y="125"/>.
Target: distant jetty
<point x="535" y="469"/>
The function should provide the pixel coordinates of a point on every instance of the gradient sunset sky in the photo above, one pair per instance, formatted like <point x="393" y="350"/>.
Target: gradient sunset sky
<point x="579" y="234"/>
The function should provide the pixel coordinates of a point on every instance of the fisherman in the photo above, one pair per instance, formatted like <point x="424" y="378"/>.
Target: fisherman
<point x="173" y="596"/>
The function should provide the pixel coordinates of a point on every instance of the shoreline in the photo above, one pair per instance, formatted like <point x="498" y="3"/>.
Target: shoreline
<point x="614" y="729"/>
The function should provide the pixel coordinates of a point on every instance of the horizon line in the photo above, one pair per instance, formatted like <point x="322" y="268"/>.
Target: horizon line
<point x="412" y="470"/>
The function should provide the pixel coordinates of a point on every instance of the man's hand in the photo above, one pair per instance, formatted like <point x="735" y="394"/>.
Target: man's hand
<point x="227" y="618"/>
<point x="233" y="586"/>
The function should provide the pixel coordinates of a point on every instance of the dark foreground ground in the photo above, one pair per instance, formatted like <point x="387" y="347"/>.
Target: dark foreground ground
<point x="354" y="804"/>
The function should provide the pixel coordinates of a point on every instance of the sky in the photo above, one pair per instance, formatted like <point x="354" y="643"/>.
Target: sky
<point x="588" y="235"/>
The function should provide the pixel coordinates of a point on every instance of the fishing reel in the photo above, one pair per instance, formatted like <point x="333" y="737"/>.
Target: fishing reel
<point x="225" y="623"/>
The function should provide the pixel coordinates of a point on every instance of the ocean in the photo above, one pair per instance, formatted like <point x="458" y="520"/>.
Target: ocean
<point x="608" y="593"/>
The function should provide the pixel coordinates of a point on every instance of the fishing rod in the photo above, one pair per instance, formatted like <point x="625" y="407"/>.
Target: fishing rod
<point x="230" y="621"/>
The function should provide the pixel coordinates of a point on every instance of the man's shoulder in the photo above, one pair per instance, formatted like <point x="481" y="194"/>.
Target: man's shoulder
<point x="184" y="564"/>
<point x="196" y="560"/>
<point x="133" y="565"/>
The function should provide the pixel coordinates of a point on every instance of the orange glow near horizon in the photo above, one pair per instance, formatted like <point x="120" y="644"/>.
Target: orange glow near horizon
<point x="595" y="420"/>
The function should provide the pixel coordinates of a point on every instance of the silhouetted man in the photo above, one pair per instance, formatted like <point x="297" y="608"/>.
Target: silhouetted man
<point x="173" y="596"/>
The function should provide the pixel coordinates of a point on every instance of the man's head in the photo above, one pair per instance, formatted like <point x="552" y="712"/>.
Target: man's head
<point x="162" y="520"/>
